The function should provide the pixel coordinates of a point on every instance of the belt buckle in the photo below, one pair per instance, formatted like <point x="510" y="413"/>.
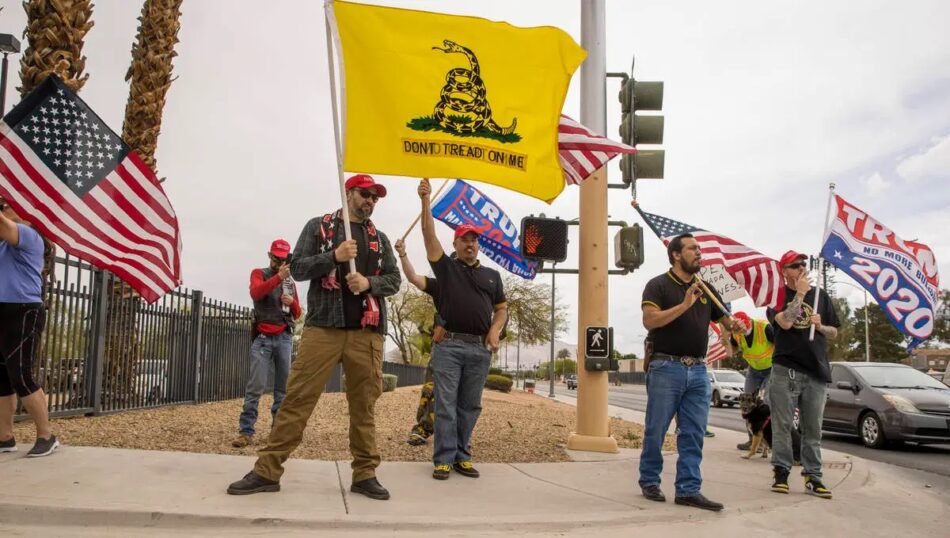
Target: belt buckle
<point x="688" y="361"/>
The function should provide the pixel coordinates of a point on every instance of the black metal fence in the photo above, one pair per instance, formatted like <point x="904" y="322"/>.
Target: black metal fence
<point x="105" y="350"/>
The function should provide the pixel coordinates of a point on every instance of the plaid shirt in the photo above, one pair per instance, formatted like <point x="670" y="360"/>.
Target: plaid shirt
<point x="325" y="307"/>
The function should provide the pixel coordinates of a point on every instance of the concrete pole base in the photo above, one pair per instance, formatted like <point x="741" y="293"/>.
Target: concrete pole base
<point x="591" y="443"/>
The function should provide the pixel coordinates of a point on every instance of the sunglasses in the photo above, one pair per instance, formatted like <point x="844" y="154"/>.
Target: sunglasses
<point x="276" y="259"/>
<point x="368" y="194"/>
<point x="3" y="207"/>
<point x="797" y="265"/>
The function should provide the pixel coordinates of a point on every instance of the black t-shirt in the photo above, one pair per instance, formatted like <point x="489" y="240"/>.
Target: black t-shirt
<point x="792" y="347"/>
<point x="689" y="333"/>
<point x="353" y="304"/>
<point x="467" y="295"/>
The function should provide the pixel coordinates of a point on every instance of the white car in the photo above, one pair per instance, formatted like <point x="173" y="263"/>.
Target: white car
<point x="727" y="385"/>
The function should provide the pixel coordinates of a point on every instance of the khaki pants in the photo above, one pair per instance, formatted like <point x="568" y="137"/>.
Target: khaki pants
<point x="320" y="349"/>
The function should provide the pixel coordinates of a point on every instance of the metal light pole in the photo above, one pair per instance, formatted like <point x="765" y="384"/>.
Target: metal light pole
<point x="8" y="45"/>
<point x="551" y="368"/>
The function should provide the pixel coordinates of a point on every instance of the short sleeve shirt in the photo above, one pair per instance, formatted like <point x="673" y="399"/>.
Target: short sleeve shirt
<point x="467" y="295"/>
<point x="688" y="334"/>
<point x="22" y="267"/>
<point x="793" y="349"/>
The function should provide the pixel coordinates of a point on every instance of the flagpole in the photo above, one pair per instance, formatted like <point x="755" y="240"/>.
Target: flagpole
<point x="824" y="234"/>
<point x="419" y="216"/>
<point x="328" y="10"/>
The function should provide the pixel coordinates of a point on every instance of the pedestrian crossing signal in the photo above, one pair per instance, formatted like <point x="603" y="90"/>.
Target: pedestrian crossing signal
<point x="544" y="239"/>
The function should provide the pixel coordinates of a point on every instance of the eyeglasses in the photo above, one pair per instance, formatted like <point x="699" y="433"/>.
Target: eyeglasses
<point x="278" y="260"/>
<point x="797" y="265"/>
<point x="368" y="194"/>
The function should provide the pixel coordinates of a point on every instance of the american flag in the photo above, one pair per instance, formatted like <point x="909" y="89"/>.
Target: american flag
<point x="582" y="152"/>
<point x="71" y="177"/>
<point x="758" y="274"/>
<point x="715" y="351"/>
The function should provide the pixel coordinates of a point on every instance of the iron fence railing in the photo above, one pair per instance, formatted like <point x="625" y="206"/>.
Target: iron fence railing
<point x="104" y="350"/>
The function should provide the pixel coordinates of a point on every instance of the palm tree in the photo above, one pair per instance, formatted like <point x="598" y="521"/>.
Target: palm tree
<point x="149" y="76"/>
<point x="55" y="33"/>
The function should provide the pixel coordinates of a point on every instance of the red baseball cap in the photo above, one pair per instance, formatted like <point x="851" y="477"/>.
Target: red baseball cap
<point x="280" y="248"/>
<point x="742" y="316"/>
<point x="365" y="181"/>
<point x="464" y="229"/>
<point x="790" y="257"/>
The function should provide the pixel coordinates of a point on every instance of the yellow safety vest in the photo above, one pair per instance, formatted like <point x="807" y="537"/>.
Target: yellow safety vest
<point x="759" y="354"/>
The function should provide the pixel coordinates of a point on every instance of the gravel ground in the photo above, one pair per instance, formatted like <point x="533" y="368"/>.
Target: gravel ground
<point x="515" y="428"/>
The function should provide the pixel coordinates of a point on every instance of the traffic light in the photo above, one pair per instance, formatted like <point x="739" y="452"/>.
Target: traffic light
<point x="628" y="247"/>
<point x="544" y="239"/>
<point x="641" y="129"/>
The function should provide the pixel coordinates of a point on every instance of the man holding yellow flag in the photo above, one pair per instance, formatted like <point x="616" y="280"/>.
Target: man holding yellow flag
<point x="434" y="95"/>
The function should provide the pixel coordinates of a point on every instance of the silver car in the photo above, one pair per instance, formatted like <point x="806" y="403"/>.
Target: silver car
<point x="886" y="402"/>
<point x="727" y="385"/>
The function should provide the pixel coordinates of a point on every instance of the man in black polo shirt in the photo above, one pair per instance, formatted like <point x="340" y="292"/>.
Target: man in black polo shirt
<point x="677" y="314"/>
<point x="472" y="304"/>
<point x="799" y="373"/>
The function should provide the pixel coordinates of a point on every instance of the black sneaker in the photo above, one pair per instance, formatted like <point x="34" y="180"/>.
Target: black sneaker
<point x="465" y="468"/>
<point x="43" y="447"/>
<point x="780" y="484"/>
<point x="699" y="501"/>
<point x="653" y="493"/>
<point x="371" y="488"/>
<point x="252" y="483"/>
<point x="441" y="472"/>
<point x="813" y="486"/>
<point x="8" y="446"/>
<point x="416" y="440"/>
<point x="744" y="446"/>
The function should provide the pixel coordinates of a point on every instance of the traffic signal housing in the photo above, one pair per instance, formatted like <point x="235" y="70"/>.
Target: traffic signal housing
<point x="637" y="129"/>
<point x="628" y="247"/>
<point x="544" y="239"/>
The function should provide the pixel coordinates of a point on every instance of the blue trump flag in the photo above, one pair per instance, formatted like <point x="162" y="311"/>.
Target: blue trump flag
<point x="464" y="204"/>
<point x="887" y="266"/>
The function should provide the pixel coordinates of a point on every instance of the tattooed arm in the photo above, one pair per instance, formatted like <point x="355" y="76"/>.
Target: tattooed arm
<point x="786" y="318"/>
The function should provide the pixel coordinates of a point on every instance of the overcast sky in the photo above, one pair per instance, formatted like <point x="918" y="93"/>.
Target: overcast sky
<point x="766" y="102"/>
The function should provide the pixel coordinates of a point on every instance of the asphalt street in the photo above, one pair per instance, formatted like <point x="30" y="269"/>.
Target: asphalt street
<point x="930" y="458"/>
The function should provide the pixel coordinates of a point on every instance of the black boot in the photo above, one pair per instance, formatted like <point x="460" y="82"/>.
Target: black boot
<point x="371" y="488"/>
<point x="253" y="483"/>
<point x="699" y="501"/>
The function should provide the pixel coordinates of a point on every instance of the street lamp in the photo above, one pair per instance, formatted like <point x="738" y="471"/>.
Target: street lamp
<point x="867" y="336"/>
<point x="8" y="45"/>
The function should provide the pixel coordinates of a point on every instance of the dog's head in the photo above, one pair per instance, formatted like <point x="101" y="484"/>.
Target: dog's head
<point x="747" y="402"/>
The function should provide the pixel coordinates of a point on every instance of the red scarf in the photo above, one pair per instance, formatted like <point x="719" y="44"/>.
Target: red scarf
<point x="327" y="241"/>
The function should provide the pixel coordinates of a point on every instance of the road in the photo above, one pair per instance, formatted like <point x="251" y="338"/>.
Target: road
<point x="931" y="458"/>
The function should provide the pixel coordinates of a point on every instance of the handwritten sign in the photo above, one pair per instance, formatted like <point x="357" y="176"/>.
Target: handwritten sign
<point x="722" y="282"/>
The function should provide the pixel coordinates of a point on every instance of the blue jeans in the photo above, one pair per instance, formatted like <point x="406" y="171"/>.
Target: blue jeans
<point x="787" y="389"/>
<point x="674" y="389"/>
<point x="756" y="380"/>
<point x="267" y="352"/>
<point x="459" y="370"/>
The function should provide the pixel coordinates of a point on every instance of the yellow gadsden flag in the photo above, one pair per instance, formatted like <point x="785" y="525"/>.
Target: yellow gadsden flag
<point x="433" y="95"/>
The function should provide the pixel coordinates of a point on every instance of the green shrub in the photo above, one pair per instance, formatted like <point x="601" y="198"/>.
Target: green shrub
<point x="498" y="371"/>
<point x="499" y="383"/>
<point x="389" y="382"/>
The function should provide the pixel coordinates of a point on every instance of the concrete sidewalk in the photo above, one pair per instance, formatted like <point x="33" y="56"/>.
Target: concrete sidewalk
<point x="82" y="491"/>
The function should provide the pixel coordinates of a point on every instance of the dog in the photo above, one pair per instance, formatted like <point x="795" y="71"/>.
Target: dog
<point x="758" y="421"/>
<point x="758" y="417"/>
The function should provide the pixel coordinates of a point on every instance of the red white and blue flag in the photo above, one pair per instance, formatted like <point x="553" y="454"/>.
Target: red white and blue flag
<point x="582" y="152"/>
<point x="464" y="204"/>
<point x="758" y="274"/>
<point x="890" y="268"/>
<point x="71" y="177"/>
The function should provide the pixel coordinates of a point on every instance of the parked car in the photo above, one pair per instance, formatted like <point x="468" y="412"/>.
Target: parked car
<point x="571" y="381"/>
<point x="727" y="385"/>
<point x="884" y="403"/>
<point x="152" y="380"/>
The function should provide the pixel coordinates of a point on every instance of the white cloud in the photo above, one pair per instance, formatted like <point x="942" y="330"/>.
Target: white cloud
<point x="875" y="184"/>
<point x="932" y="163"/>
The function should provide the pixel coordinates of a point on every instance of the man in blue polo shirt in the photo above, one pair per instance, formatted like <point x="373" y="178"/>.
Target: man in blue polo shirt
<point x="472" y="304"/>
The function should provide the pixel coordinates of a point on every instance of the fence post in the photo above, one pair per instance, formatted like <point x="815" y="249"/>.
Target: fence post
<point x="99" y="338"/>
<point x="197" y="298"/>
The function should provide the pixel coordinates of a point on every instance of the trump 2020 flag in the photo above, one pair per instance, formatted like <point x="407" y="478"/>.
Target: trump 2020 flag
<point x="886" y="266"/>
<point x="70" y="176"/>
<point x="434" y="95"/>
<point x="464" y="204"/>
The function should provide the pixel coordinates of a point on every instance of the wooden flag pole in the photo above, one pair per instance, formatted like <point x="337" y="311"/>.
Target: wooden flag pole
<point x="336" y="129"/>
<point x="419" y="216"/>
<point x="824" y="233"/>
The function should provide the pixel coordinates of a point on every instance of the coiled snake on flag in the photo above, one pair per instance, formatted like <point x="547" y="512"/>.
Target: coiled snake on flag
<point x="464" y="95"/>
